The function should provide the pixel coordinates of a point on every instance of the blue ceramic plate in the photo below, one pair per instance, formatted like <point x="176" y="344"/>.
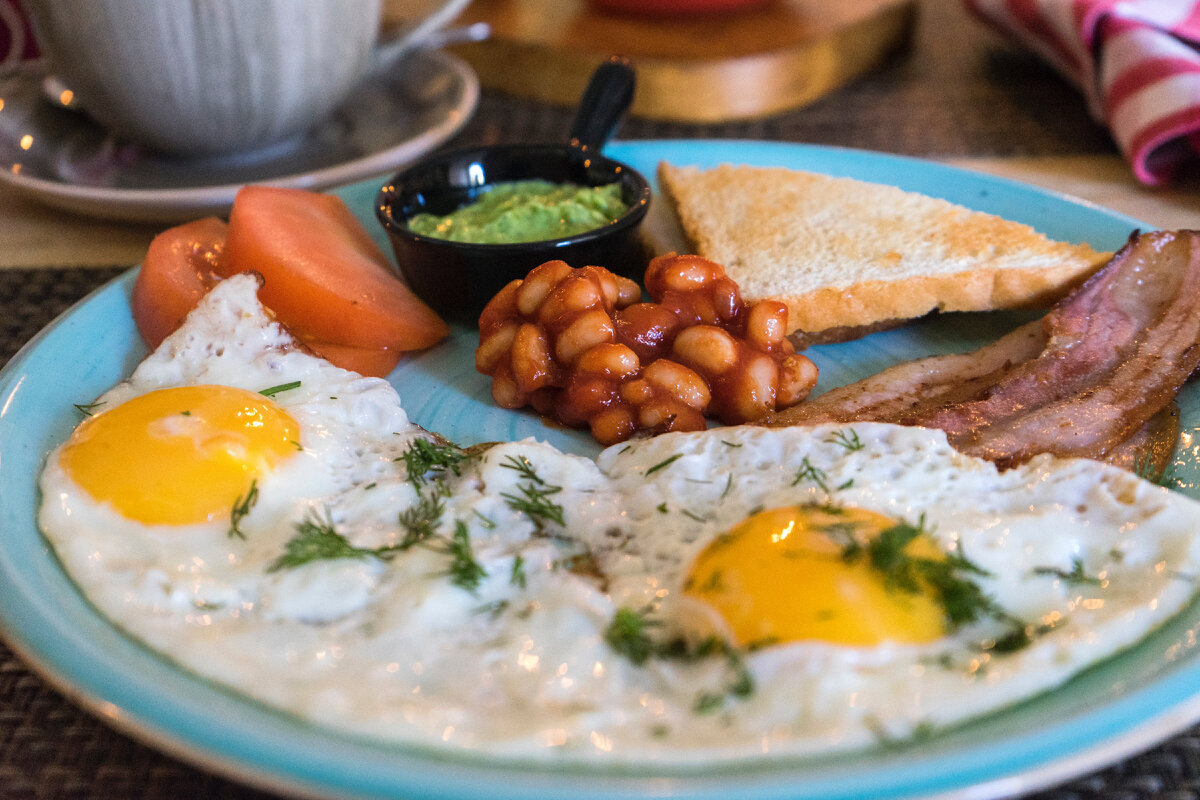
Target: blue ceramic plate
<point x="1112" y="710"/>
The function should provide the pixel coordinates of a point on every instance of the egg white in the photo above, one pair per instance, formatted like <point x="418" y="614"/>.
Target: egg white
<point x="519" y="664"/>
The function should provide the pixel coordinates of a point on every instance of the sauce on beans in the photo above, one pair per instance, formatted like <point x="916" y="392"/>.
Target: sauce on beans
<point x="581" y="346"/>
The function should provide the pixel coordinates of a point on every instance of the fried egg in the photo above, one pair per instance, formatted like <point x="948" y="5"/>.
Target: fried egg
<point x="279" y="525"/>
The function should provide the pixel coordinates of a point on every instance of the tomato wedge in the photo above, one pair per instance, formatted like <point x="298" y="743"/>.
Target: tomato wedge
<point x="181" y="264"/>
<point x="376" y="363"/>
<point x="325" y="277"/>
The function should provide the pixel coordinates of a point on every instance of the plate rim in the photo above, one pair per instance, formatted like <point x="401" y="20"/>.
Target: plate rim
<point x="472" y="773"/>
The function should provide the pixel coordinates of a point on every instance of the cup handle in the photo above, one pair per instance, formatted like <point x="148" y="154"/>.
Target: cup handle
<point x="14" y="34"/>
<point x="392" y="50"/>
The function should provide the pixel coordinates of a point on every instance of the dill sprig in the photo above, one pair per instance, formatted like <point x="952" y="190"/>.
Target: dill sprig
<point x="283" y="387"/>
<point x="241" y="508"/>
<point x="516" y="576"/>
<point x="629" y="635"/>
<point x="522" y="466"/>
<point x="464" y="571"/>
<point x="812" y="473"/>
<point x="948" y="578"/>
<point x="534" y="503"/>
<point x="420" y="520"/>
<point x="664" y="464"/>
<point x="424" y="456"/>
<point x="534" y="498"/>
<point x="850" y="440"/>
<point x="1076" y="575"/>
<point x="316" y="539"/>
<point x="88" y="409"/>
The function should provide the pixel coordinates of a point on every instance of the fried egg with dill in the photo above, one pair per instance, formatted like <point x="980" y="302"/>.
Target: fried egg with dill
<point x="278" y="524"/>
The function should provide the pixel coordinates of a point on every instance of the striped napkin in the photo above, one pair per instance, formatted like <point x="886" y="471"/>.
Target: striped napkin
<point x="1137" y="62"/>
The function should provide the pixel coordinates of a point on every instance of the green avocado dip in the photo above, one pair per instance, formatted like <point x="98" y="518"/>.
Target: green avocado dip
<point x="526" y="211"/>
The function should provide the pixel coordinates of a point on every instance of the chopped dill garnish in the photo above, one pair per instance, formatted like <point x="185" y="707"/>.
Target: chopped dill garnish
<point x="424" y="456"/>
<point x="961" y="599"/>
<point x="523" y="466"/>
<point x="241" y="507"/>
<point x="850" y="440"/>
<point x="1075" y="576"/>
<point x="534" y="504"/>
<point x="283" y="387"/>
<point x="728" y="443"/>
<point x="664" y="464"/>
<point x="534" y="499"/>
<point x="316" y="539"/>
<point x="662" y="507"/>
<point x="627" y="635"/>
<point x="465" y="572"/>
<point x="812" y="473"/>
<point x="420" y="520"/>
<point x="691" y="515"/>
<point x="486" y="522"/>
<point x="516" y="577"/>
<point x="88" y="409"/>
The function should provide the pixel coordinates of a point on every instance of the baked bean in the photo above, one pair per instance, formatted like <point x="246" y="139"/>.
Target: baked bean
<point x="678" y="381"/>
<point x="537" y="285"/>
<point x="494" y="347"/>
<point x="706" y="348"/>
<point x="766" y="324"/>
<point x="678" y="274"/>
<point x="584" y="397"/>
<point x="505" y="393"/>
<point x="797" y="376"/>
<point x="573" y="295"/>
<point x="646" y="328"/>
<point x="613" y="425"/>
<point x="611" y="359"/>
<point x="727" y="300"/>
<point x="500" y="309"/>
<point x="637" y="392"/>
<point x="751" y="391"/>
<point x="530" y="358"/>
<point x="587" y="330"/>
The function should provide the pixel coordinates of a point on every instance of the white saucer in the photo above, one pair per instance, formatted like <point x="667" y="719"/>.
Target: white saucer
<point x="62" y="158"/>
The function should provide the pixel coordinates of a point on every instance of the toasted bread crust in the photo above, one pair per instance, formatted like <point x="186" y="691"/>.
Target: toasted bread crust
<point x="844" y="253"/>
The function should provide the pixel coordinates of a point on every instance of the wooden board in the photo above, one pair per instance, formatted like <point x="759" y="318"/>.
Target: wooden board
<point x="698" y="68"/>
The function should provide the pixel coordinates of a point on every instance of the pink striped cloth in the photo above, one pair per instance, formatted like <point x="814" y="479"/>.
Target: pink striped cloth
<point x="1137" y="61"/>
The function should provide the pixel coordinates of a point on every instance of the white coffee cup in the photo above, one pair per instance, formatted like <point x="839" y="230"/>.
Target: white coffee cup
<point x="203" y="77"/>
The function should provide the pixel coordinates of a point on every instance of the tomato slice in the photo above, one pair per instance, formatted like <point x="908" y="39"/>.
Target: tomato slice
<point x="375" y="363"/>
<point x="181" y="264"/>
<point x="325" y="277"/>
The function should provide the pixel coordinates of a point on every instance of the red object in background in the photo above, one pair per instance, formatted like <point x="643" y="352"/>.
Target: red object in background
<point x="16" y="34"/>
<point x="674" y="8"/>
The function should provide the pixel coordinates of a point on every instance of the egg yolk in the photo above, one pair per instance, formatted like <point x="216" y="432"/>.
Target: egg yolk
<point x="796" y="573"/>
<point x="181" y="455"/>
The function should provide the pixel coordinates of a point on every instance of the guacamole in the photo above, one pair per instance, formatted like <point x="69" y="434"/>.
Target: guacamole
<point x="526" y="211"/>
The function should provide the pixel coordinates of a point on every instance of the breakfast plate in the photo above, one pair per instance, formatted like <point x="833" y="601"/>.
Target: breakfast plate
<point x="1112" y="710"/>
<point x="60" y="157"/>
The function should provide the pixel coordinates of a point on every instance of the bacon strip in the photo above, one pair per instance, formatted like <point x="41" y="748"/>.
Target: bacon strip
<point x="1081" y="382"/>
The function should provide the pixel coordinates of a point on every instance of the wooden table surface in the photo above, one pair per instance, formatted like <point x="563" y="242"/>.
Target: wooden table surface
<point x="956" y="94"/>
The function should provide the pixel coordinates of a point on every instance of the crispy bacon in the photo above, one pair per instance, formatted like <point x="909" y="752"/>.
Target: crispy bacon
<point x="1101" y="369"/>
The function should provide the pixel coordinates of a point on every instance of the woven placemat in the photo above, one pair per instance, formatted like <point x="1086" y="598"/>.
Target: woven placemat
<point x="51" y="750"/>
